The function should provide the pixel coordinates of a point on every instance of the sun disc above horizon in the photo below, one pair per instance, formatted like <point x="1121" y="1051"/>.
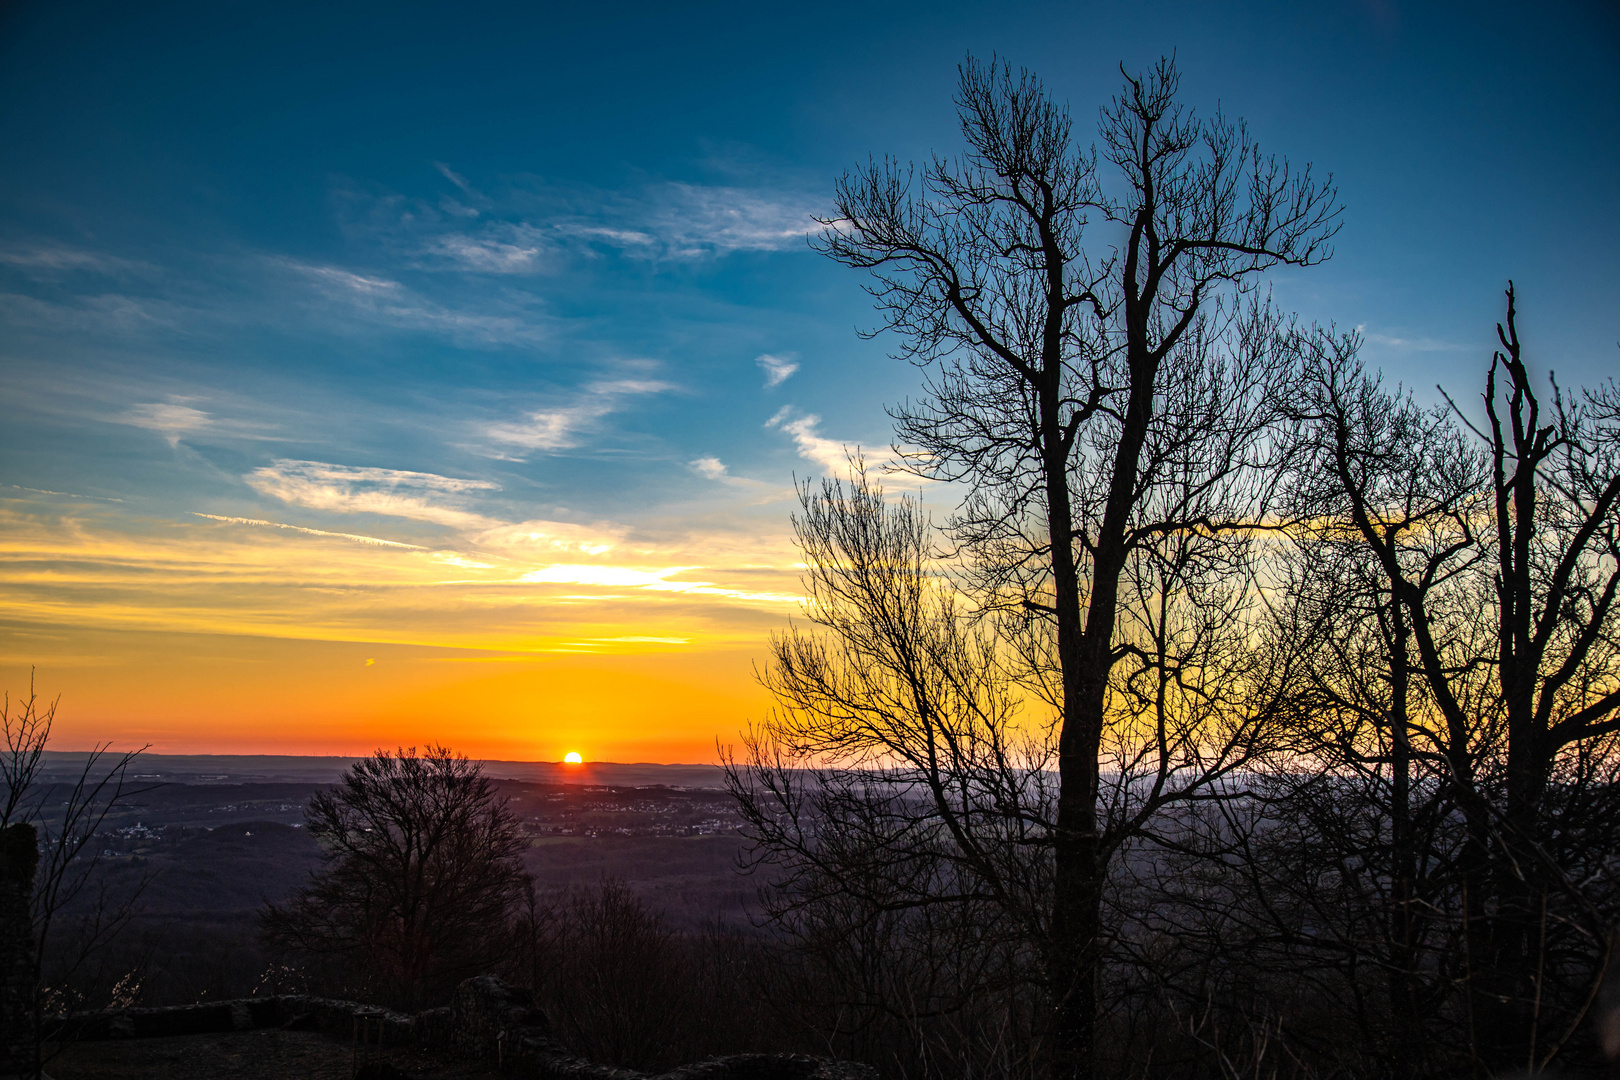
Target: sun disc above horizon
<point x="572" y="758"/>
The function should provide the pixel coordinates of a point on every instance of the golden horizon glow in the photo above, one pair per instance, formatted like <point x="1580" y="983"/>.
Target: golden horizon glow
<point x="225" y="634"/>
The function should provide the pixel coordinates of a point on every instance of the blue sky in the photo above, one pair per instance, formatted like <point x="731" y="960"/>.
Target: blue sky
<point x="527" y="286"/>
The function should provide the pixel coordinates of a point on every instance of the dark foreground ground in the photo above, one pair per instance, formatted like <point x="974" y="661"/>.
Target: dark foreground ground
<point x="247" y="1055"/>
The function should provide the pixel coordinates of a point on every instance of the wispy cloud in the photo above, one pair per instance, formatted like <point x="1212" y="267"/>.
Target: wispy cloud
<point x="56" y="258"/>
<point x="518" y="252"/>
<point x="454" y="177"/>
<point x="63" y="494"/>
<point x="711" y="467"/>
<point x="357" y="538"/>
<point x="830" y="454"/>
<point x="1410" y="344"/>
<point x="694" y="220"/>
<point x="690" y="221"/>
<point x="563" y="427"/>
<point x="534" y="226"/>
<point x="173" y="419"/>
<point x="113" y="314"/>
<point x="388" y="302"/>
<point x="344" y="489"/>
<point x="756" y="492"/>
<point x="777" y="369"/>
<point x="651" y="579"/>
<point x="534" y="540"/>
<point x="418" y="496"/>
<point x="347" y="284"/>
<point x="616" y="237"/>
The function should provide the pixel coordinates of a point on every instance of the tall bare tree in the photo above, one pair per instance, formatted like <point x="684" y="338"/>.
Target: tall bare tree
<point x="1102" y="387"/>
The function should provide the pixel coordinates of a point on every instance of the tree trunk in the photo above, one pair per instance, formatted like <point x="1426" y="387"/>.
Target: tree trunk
<point x="1087" y="657"/>
<point x="1072" y="955"/>
<point x="1513" y="930"/>
<point x="1407" y="1024"/>
<point x="1073" y="962"/>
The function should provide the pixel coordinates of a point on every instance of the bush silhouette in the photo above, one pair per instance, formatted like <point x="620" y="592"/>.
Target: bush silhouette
<point x="421" y="879"/>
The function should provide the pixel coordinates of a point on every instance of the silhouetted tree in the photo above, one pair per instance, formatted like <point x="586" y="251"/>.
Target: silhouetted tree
<point x="1501" y="563"/>
<point x="904" y="812"/>
<point x="614" y="979"/>
<point x="1104" y="389"/>
<point x="422" y="876"/>
<point x="1436" y="859"/>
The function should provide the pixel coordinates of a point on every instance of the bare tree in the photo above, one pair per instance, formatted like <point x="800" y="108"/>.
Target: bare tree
<point x="615" y="980"/>
<point x="49" y="825"/>
<point x="422" y="872"/>
<point x="1328" y="896"/>
<point x="904" y="810"/>
<point x="1449" y="823"/>
<point x="1106" y="401"/>
<point x="1509" y="588"/>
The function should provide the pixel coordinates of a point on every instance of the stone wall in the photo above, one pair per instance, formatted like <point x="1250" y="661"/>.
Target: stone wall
<point x="19" y="858"/>
<point x="486" y="1020"/>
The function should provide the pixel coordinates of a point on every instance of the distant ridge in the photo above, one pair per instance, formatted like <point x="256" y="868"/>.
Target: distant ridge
<point x="287" y="768"/>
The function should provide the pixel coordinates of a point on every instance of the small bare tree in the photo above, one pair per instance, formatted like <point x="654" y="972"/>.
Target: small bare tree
<point x="49" y="826"/>
<point x="423" y="873"/>
<point x="615" y="980"/>
<point x="903" y="808"/>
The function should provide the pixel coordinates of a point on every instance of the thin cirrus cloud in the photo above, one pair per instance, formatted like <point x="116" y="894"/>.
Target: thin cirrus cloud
<point x="356" y="537"/>
<point x="1409" y="344"/>
<point x="455" y="178"/>
<point x="518" y="546"/>
<point x="655" y="579"/>
<point x="529" y="540"/>
<point x="386" y="302"/>
<point x="62" y="494"/>
<point x="418" y="496"/>
<point x="694" y="220"/>
<point x="777" y="369"/>
<point x="563" y="428"/>
<point x="516" y="254"/>
<point x="756" y="492"/>
<point x="344" y="489"/>
<point x="53" y="259"/>
<point x="177" y="419"/>
<point x="689" y="221"/>
<point x="110" y="314"/>
<point x="535" y="225"/>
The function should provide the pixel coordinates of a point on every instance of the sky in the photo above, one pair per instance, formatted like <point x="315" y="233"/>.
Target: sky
<point x="378" y="374"/>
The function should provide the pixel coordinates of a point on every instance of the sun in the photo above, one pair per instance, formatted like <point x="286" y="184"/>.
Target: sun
<point x="572" y="757"/>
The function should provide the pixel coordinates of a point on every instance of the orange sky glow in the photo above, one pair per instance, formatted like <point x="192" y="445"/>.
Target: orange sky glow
<point x="213" y="636"/>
